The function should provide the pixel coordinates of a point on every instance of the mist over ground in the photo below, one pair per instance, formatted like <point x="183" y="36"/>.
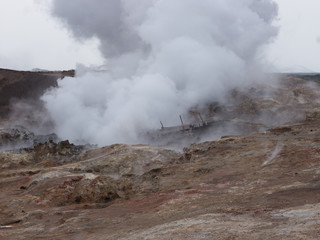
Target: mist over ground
<point x="161" y="59"/>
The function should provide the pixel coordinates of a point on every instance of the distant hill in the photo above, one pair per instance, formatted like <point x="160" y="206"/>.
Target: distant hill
<point x="26" y="85"/>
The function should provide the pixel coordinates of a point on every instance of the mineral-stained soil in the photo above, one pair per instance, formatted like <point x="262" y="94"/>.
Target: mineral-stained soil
<point x="262" y="185"/>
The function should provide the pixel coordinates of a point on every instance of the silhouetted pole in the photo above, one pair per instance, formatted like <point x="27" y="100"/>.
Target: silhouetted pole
<point x="181" y="122"/>
<point x="162" y="127"/>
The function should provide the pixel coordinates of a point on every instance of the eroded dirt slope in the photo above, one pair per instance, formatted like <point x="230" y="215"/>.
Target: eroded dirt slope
<point x="259" y="186"/>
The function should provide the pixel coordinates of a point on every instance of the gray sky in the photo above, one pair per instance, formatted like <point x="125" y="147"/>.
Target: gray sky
<point x="297" y="47"/>
<point x="31" y="38"/>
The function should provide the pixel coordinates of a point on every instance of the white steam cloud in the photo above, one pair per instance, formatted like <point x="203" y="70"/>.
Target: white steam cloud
<point x="162" y="57"/>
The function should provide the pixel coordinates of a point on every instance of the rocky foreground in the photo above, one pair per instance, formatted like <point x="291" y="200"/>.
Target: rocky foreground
<point x="262" y="185"/>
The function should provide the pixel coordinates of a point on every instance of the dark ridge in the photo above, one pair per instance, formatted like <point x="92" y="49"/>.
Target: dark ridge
<point x="306" y="76"/>
<point x="26" y="85"/>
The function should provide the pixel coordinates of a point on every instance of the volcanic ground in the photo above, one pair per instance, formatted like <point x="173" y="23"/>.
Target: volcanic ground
<point x="260" y="178"/>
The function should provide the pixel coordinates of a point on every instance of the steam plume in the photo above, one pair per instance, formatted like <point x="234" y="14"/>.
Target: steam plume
<point x="162" y="57"/>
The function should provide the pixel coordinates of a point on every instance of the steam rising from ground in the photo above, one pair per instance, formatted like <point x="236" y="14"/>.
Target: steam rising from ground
<point x="162" y="57"/>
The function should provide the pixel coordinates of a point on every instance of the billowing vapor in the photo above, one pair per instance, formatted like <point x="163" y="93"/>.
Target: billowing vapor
<point x="161" y="58"/>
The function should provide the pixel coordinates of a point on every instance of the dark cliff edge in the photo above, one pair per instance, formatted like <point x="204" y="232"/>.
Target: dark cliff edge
<point x="26" y="85"/>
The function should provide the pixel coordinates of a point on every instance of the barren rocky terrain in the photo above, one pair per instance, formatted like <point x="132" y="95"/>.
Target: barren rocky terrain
<point x="262" y="183"/>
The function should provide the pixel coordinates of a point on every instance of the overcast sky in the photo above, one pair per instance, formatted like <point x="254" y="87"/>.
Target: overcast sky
<point x="31" y="38"/>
